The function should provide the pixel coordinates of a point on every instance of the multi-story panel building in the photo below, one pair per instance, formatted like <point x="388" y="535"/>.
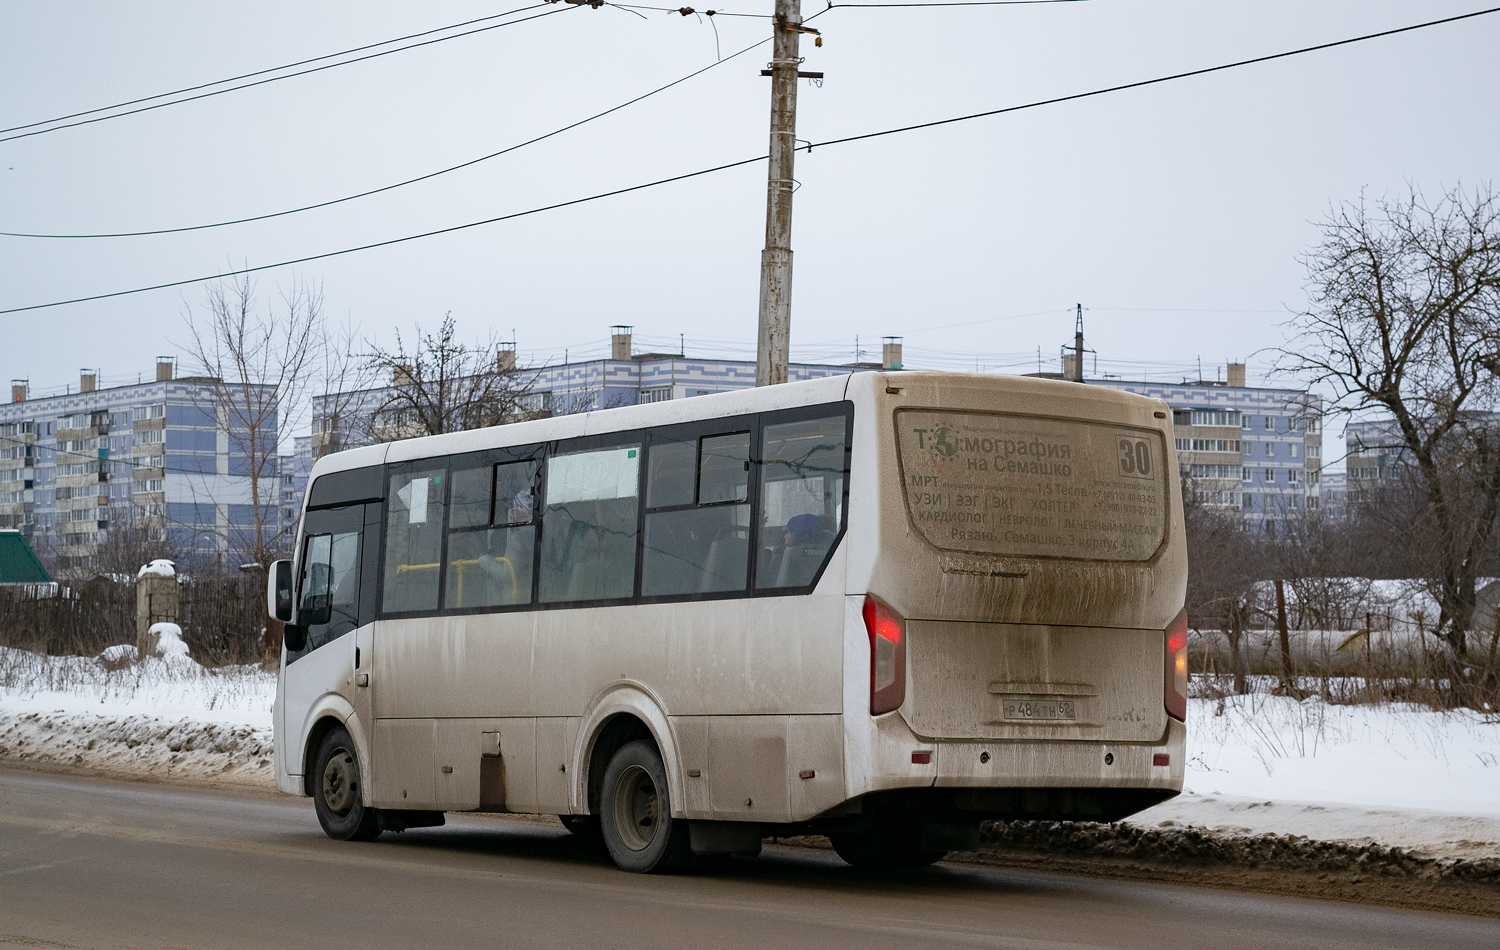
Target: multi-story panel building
<point x="340" y="420"/>
<point x="1255" y="449"/>
<point x="158" y="453"/>
<point x="1376" y="453"/>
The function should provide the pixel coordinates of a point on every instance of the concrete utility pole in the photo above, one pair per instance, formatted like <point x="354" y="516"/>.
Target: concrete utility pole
<point x="772" y="342"/>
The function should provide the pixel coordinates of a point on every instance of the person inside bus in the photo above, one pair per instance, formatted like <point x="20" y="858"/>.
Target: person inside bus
<point x="508" y="561"/>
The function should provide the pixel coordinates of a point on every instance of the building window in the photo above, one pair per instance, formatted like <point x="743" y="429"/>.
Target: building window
<point x="1314" y="451"/>
<point x="1292" y="450"/>
<point x="1271" y="449"/>
<point x="1215" y="417"/>
<point x="1270" y="424"/>
<point x="1245" y="476"/>
<point x="656" y="394"/>
<point x="142" y="413"/>
<point x="1246" y="421"/>
<point x="1270" y="476"/>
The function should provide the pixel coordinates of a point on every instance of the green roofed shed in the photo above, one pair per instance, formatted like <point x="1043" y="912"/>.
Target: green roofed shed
<point x="18" y="563"/>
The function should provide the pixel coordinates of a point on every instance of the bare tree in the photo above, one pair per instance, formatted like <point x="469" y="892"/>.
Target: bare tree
<point x="1405" y="320"/>
<point x="445" y="385"/>
<point x="346" y="373"/>
<point x="260" y="363"/>
<point x="1225" y="562"/>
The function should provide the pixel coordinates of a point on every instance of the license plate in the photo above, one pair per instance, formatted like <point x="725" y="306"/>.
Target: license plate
<point x="1063" y="710"/>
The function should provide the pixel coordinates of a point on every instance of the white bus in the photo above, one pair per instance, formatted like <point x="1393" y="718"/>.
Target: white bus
<point x="882" y="607"/>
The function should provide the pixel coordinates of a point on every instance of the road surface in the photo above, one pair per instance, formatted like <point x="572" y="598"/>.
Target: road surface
<point x="89" y="862"/>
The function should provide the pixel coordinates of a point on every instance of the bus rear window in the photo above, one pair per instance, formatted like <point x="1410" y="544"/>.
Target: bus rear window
<point x="992" y="483"/>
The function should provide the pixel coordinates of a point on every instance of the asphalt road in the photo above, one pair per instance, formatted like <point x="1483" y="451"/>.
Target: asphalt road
<point x="88" y="862"/>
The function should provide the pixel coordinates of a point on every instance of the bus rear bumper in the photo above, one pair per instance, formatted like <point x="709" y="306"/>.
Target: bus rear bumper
<point x="1044" y="780"/>
<point x="978" y="764"/>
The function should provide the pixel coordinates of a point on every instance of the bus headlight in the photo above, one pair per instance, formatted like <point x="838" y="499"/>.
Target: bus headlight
<point x="887" y="630"/>
<point x="1175" y="685"/>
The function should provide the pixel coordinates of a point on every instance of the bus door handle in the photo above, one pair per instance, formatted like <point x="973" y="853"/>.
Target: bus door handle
<point x="362" y="679"/>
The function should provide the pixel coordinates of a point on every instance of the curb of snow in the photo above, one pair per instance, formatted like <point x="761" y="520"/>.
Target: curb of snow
<point x="1201" y="847"/>
<point x="139" y="746"/>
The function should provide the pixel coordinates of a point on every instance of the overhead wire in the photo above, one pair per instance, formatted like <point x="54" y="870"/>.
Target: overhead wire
<point x="688" y="11"/>
<point x="271" y="79"/>
<point x="953" y="3"/>
<point x="400" y="184"/>
<point x="746" y="161"/>
<point x="262" y="72"/>
<point x="1160" y="79"/>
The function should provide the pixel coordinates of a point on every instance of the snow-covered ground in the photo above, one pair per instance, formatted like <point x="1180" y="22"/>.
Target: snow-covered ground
<point x="173" y="687"/>
<point x="1398" y="774"/>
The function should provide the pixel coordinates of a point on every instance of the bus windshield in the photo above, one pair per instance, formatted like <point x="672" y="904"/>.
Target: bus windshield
<point x="996" y="483"/>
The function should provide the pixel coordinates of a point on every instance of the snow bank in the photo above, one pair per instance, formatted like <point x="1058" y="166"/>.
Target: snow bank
<point x="140" y="746"/>
<point x="112" y="685"/>
<point x="165" y="718"/>
<point x="1395" y="755"/>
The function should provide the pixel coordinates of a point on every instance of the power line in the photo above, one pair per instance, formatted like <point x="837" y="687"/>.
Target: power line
<point x="399" y="184"/>
<point x="958" y="3"/>
<point x="262" y="82"/>
<point x="1159" y="79"/>
<point x="746" y="161"/>
<point x="399" y="240"/>
<point x="262" y="72"/>
<point x="689" y="11"/>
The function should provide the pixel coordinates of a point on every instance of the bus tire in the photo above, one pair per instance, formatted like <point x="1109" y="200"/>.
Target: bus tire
<point x="635" y="813"/>
<point x="338" y="793"/>
<point x="883" y="848"/>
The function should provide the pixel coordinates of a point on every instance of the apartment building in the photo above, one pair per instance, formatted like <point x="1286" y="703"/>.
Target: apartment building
<point x="1256" y="450"/>
<point x="160" y="454"/>
<point x="626" y="378"/>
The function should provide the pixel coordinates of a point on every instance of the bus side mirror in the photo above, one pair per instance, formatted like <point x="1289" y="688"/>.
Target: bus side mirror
<point x="279" y="591"/>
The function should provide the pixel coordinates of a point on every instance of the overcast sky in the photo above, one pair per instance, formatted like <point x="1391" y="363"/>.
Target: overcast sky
<point x="1175" y="214"/>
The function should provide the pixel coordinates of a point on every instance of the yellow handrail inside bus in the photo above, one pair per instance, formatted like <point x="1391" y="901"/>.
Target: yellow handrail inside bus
<point x="462" y="565"/>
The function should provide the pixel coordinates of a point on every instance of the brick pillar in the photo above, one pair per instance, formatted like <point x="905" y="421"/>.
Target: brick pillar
<point x="155" y="602"/>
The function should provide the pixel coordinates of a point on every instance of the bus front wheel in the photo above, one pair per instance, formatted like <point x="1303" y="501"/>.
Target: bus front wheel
<point x="883" y="847"/>
<point x="338" y="794"/>
<point x="635" y="813"/>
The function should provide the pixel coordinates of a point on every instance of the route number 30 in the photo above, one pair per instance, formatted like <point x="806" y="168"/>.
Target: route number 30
<point x="1135" y="458"/>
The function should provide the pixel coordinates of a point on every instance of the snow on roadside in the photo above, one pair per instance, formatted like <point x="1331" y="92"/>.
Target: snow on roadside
<point x="1395" y="755"/>
<point x="168" y="689"/>
<point x="141" y="746"/>
<point x="165" y="718"/>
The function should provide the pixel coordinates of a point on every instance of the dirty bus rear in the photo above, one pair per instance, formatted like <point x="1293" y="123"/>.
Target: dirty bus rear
<point x="883" y="607"/>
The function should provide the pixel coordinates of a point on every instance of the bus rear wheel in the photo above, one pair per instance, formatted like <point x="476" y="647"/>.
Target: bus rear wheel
<point x="883" y="847"/>
<point x="635" y="813"/>
<point x="338" y="793"/>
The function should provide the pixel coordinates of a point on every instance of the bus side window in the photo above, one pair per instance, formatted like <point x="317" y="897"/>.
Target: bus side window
<point x="491" y="535"/>
<point x="413" y="538"/>
<point x="803" y="471"/>
<point x="697" y="538"/>
<point x="588" y="524"/>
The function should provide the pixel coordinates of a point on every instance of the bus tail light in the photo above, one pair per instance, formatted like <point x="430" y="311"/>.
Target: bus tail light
<point x="1175" y="684"/>
<point x="887" y="632"/>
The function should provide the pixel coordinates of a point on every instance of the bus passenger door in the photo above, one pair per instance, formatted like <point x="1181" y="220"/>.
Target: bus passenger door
<point x="332" y="574"/>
